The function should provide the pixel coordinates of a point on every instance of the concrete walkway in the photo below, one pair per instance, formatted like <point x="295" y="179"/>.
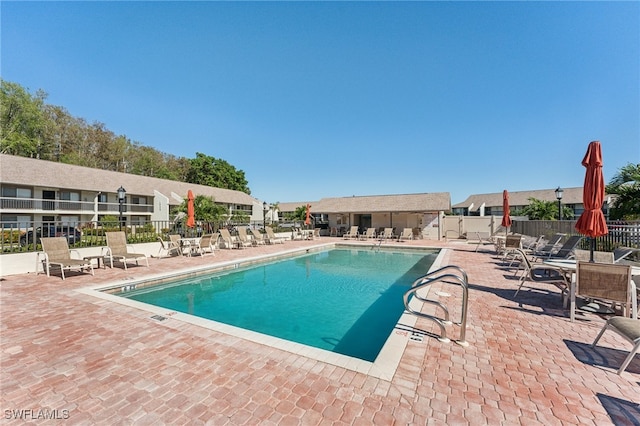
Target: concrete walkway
<point x="85" y="360"/>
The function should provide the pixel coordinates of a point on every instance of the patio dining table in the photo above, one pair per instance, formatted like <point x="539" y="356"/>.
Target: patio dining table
<point x="569" y="266"/>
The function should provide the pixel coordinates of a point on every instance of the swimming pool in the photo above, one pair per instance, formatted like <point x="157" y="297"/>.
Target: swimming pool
<point x="343" y="300"/>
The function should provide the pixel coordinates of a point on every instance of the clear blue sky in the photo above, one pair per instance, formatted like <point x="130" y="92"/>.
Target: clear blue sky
<point x="324" y="99"/>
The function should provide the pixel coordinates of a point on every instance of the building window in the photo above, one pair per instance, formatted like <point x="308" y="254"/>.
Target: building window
<point x="69" y="196"/>
<point x="16" y="192"/>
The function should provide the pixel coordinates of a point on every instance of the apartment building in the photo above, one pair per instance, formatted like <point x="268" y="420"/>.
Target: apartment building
<point x="45" y="191"/>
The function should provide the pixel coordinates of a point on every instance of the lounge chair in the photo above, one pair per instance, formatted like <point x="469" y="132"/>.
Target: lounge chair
<point x="370" y="233"/>
<point x="243" y="239"/>
<point x="229" y="241"/>
<point x="628" y="328"/>
<point x="258" y="237"/>
<point x="353" y="233"/>
<point x="297" y="234"/>
<point x="566" y="251"/>
<point x="316" y="234"/>
<point x="407" y="234"/>
<point x="118" y="250"/>
<point x="207" y="243"/>
<point x="620" y="253"/>
<point x="55" y="252"/>
<point x="387" y="234"/>
<point x="539" y="272"/>
<point x="271" y="236"/>
<point x="549" y="247"/>
<point x="604" y="285"/>
<point x="168" y="247"/>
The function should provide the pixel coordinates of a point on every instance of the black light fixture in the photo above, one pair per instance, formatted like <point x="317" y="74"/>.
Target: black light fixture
<point x="265" y="208"/>
<point x="559" y="192"/>
<point x="122" y="193"/>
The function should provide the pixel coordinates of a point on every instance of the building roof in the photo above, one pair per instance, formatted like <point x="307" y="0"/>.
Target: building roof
<point x="418" y="203"/>
<point x="521" y="198"/>
<point x="25" y="171"/>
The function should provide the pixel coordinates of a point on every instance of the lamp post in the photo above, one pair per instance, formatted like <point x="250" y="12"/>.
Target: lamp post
<point x="122" y="193"/>
<point x="265" y="208"/>
<point x="559" y="192"/>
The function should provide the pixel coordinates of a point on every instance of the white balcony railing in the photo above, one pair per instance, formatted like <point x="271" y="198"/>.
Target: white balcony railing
<point x="31" y="205"/>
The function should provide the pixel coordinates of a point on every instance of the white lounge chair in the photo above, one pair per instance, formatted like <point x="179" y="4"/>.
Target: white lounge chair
<point x="207" y="243"/>
<point x="271" y="236"/>
<point x="258" y="237"/>
<point x="353" y="233"/>
<point x="407" y="234"/>
<point x="370" y="233"/>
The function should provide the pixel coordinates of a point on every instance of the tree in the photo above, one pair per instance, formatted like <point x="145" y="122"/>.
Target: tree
<point x="211" y="171"/>
<point x="543" y="210"/>
<point x="626" y="186"/>
<point x="205" y="209"/>
<point x="300" y="213"/>
<point x="21" y="120"/>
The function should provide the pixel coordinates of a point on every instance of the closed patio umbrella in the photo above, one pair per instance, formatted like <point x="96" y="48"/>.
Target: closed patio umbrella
<point x="191" y="219"/>
<point x="307" y="221"/>
<point x="506" y="216"/>
<point x="592" y="222"/>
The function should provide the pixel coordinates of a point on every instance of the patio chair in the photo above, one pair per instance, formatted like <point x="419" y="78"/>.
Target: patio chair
<point x="316" y="234"/>
<point x="168" y="247"/>
<point x="271" y="236"/>
<point x="243" y="239"/>
<point x="353" y="233"/>
<point x="208" y="242"/>
<point x="539" y="272"/>
<point x="229" y="241"/>
<point x="598" y="256"/>
<point x="55" y="252"/>
<point x="407" y="234"/>
<point x="118" y="250"/>
<point x="370" y="233"/>
<point x="512" y="247"/>
<point x="183" y="245"/>
<point x="484" y="238"/>
<point x="258" y="237"/>
<point x="604" y="286"/>
<point x="628" y="328"/>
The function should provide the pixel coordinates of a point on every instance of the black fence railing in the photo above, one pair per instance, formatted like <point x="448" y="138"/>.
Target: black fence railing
<point x="621" y="234"/>
<point x="21" y="237"/>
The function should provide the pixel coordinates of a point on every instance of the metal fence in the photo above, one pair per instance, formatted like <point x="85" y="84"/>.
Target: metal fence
<point x="621" y="234"/>
<point x="21" y="237"/>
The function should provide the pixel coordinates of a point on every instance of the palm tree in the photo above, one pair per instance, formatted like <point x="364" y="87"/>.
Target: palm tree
<point x="543" y="210"/>
<point x="626" y="186"/>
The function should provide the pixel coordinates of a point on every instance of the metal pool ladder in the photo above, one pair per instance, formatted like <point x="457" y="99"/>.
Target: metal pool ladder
<point x="450" y="274"/>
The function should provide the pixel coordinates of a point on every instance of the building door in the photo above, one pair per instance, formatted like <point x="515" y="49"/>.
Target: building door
<point x="48" y="195"/>
<point x="365" y="221"/>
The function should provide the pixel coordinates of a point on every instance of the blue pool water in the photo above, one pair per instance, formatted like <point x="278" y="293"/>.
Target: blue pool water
<point x="342" y="300"/>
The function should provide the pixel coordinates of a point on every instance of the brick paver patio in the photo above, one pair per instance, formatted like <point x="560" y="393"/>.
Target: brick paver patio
<point x="90" y="361"/>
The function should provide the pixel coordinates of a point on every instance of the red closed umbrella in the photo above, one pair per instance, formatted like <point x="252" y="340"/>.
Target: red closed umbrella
<point x="191" y="214"/>
<point x="592" y="222"/>
<point x="308" y="219"/>
<point x="506" y="216"/>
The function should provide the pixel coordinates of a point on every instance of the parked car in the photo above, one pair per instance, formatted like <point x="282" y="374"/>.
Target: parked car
<point x="73" y="234"/>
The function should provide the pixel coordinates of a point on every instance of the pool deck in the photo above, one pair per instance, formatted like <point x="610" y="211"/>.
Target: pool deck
<point x="88" y="360"/>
